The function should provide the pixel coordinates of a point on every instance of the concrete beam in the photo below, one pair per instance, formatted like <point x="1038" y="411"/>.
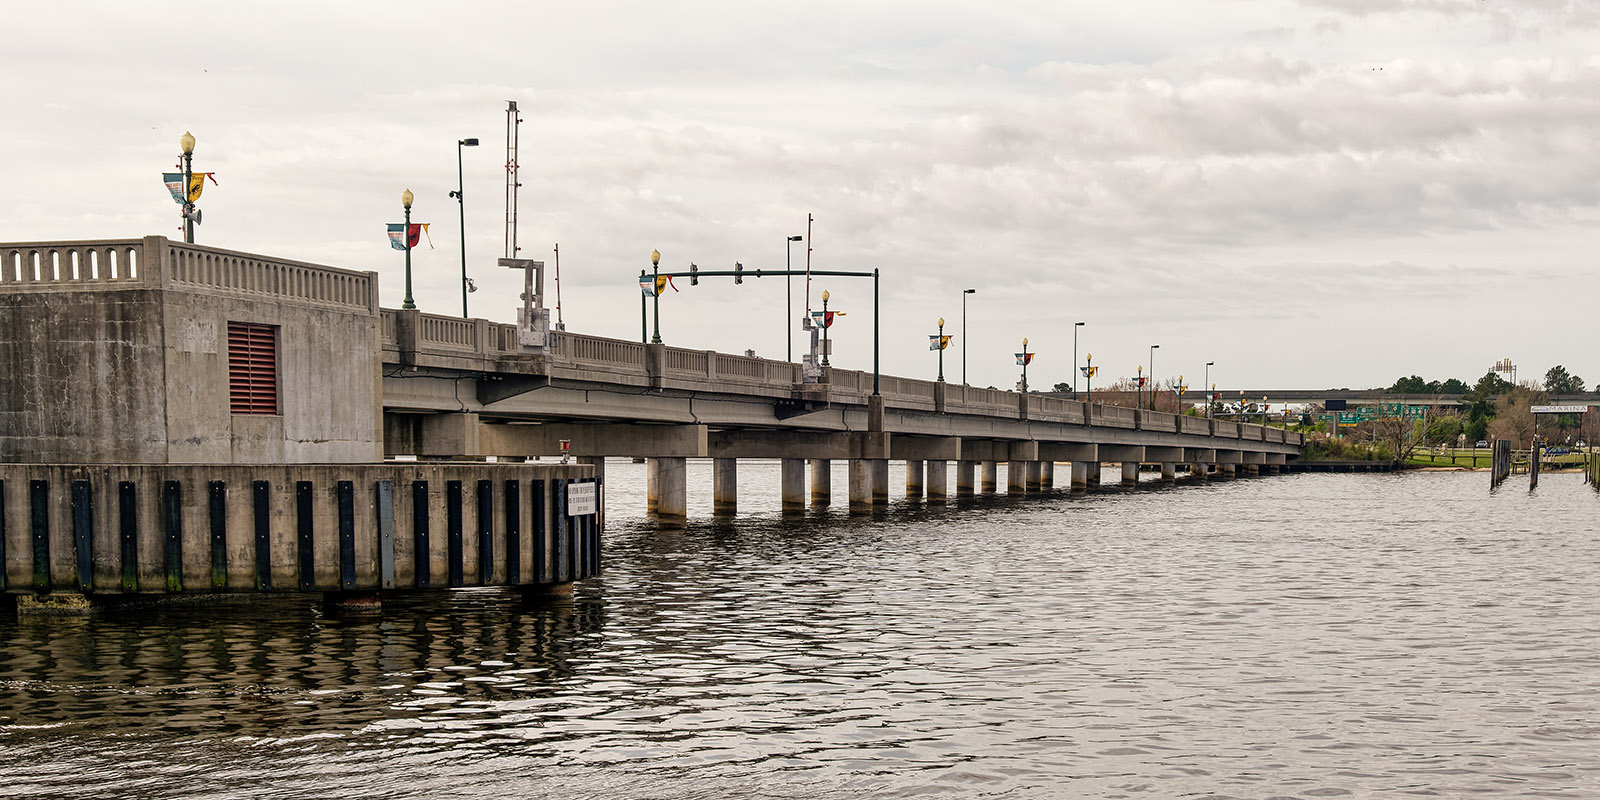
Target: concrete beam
<point x="1202" y="455"/>
<point x="984" y="450"/>
<point x="432" y="435"/>
<point x="925" y="448"/>
<point x="1161" y="455"/>
<point x="759" y="443"/>
<point x="872" y="446"/>
<point x="1278" y="459"/>
<point x="651" y="441"/>
<point x="1061" y="451"/>
<point x="1229" y="457"/>
<point x="1023" y="451"/>
<point x="1254" y="457"/>
<point x="1121" y="453"/>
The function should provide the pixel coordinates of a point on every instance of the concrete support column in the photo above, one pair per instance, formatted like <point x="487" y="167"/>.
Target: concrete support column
<point x="880" y="481"/>
<point x="1169" y="471"/>
<point x="966" y="474"/>
<point x="1225" y="470"/>
<point x="914" y="480"/>
<point x="987" y="477"/>
<point x="672" y="498"/>
<point x="1047" y="475"/>
<point x="821" y="482"/>
<point x="1130" y="473"/>
<point x="860" y="486"/>
<point x="1201" y="471"/>
<point x="651" y="492"/>
<point x="938" y="477"/>
<point x="1017" y="477"/>
<point x="1033" y="479"/>
<point x="1251" y="469"/>
<point x="792" y="475"/>
<point x="1094" y="474"/>
<point x="1080" y="474"/>
<point x="724" y="486"/>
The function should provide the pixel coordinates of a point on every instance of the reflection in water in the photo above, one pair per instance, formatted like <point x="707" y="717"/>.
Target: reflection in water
<point x="1315" y="635"/>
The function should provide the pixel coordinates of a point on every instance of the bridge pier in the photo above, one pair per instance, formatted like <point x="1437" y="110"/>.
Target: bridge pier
<point x="1169" y="472"/>
<point x="914" y="479"/>
<point x="1226" y="470"/>
<point x="880" y="480"/>
<point x="792" y="476"/>
<point x="1201" y="471"/>
<point x="938" y="477"/>
<point x="652" y="495"/>
<point x="987" y="476"/>
<point x="1017" y="478"/>
<point x="821" y="482"/>
<point x="966" y="471"/>
<point x="724" y="486"/>
<point x="1130" y="473"/>
<point x="1034" y="477"/>
<point x="1080" y="474"/>
<point x="860" y="486"/>
<point x="672" y="500"/>
<point x="1047" y="475"/>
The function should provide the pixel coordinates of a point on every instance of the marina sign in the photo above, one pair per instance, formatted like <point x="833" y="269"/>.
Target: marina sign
<point x="1559" y="409"/>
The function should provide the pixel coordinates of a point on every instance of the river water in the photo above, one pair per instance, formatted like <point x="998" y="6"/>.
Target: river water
<point x="1287" y="636"/>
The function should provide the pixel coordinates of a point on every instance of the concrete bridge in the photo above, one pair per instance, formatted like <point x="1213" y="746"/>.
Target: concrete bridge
<point x="457" y="387"/>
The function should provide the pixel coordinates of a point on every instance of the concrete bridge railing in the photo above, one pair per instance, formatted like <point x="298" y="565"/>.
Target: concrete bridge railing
<point x="446" y="340"/>
<point x="155" y="261"/>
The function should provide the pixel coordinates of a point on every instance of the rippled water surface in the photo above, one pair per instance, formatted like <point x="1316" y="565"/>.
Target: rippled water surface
<point x="1290" y="636"/>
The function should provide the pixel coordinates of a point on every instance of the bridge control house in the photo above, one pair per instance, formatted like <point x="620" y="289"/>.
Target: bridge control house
<point x="184" y="419"/>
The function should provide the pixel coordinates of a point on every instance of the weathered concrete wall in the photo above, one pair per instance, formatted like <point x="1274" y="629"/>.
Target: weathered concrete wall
<point x="81" y="377"/>
<point x="328" y="379"/>
<point x="117" y="352"/>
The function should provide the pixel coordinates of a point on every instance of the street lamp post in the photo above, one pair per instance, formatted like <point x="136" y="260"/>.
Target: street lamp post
<point x="405" y="235"/>
<point x="461" y="206"/>
<point x="655" y="287"/>
<point x="1075" y="327"/>
<point x="1088" y="377"/>
<point x="964" y="293"/>
<point x="1024" y="359"/>
<point x="938" y="341"/>
<point x="788" y="296"/>
<point x="1153" y="376"/>
<point x="1138" y="389"/>
<point x="187" y="143"/>
<point x="825" y="327"/>
<point x="1212" y="396"/>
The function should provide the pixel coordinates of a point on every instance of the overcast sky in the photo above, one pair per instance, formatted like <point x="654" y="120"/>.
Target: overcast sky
<point x="1312" y="194"/>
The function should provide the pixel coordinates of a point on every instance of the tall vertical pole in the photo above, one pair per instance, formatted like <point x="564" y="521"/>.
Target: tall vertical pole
<point x="461" y="205"/>
<point x="941" y="348"/>
<point x="1153" y="376"/>
<point x="405" y="236"/>
<point x="655" y="335"/>
<point x="825" y="327"/>
<point x="964" y="336"/>
<point x="874" y="330"/>
<point x="188" y="218"/>
<point x="644" y="332"/>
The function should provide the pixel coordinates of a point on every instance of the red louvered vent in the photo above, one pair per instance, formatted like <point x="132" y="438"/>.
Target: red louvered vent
<point x="252" y="368"/>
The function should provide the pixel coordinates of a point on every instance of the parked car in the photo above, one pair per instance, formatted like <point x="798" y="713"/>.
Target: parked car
<point x="1482" y="443"/>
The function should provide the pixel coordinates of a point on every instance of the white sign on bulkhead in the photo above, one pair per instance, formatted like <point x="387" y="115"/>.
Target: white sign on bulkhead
<point x="580" y="499"/>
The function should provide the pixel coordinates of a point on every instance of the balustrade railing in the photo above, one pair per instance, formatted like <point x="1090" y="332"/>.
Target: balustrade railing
<point x="69" y="265"/>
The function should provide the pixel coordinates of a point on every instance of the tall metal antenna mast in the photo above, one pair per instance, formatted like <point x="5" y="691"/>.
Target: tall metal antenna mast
<point x="513" y="122"/>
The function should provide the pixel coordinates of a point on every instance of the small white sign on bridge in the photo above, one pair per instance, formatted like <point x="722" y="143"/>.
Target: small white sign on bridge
<point x="581" y="499"/>
<point x="1559" y="409"/>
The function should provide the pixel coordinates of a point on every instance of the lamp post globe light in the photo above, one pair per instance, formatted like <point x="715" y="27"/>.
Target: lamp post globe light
<point x="461" y="206"/>
<point x="405" y="235"/>
<point x="964" y="293"/>
<point x="788" y="296"/>
<point x="655" y="287"/>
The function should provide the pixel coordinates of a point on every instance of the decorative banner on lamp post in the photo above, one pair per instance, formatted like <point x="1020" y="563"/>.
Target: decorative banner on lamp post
<point x="1089" y="372"/>
<point x="418" y="229"/>
<point x="825" y="318"/>
<point x="652" y="288"/>
<point x="197" y="182"/>
<point x="1024" y="359"/>
<point x="939" y="342"/>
